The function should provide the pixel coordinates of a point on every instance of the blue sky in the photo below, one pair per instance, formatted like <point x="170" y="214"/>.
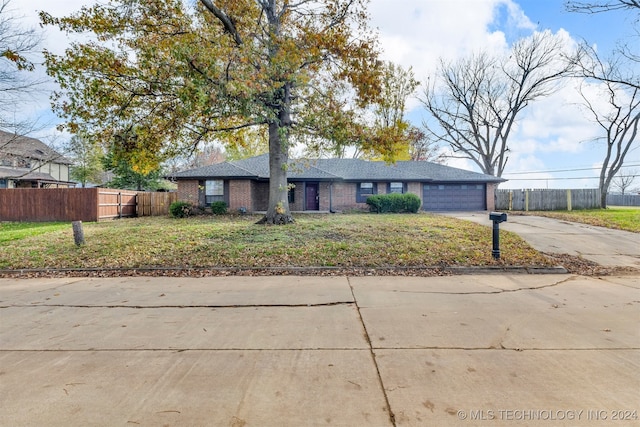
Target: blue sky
<point x="553" y="134"/>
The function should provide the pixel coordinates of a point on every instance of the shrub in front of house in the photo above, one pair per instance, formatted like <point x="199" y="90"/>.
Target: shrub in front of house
<point x="219" y="208"/>
<point x="394" y="203"/>
<point x="412" y="202"/>
<point x="180" y="209"/>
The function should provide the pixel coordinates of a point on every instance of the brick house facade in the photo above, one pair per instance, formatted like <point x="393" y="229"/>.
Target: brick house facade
<point x="335" y="185"/>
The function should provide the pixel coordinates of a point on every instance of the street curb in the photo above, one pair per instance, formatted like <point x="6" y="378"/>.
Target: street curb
<point x="510" y="270"/>
<point x="272" y="271"/>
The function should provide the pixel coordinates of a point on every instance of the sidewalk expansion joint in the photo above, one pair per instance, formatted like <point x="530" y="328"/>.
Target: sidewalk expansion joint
<point x="392" y="417"/>
<point x="349" y="349"/>
<point x="502" y="348"/>
<point x="323" y="304"/>
<point x="177" y="350"/>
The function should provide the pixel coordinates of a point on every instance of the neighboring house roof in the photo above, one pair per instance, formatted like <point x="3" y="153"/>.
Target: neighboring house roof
<point x="24" y="174"/>
<point x="30" y="148"/>
<point x="338" y="170"/>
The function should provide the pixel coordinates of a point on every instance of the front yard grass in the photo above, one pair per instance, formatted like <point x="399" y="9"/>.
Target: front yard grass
<point x="350" y="241"/>
<point x="621" y="218"/>
<point x="19" y="230"/>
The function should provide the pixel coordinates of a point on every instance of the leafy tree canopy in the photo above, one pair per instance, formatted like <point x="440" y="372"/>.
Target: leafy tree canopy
<point x="87" y="160"/>
<point x="176" y="76"/>
<point x="125" y="177"/>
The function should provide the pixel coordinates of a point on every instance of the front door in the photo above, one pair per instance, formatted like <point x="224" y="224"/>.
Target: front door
<point x="312" y="198"/>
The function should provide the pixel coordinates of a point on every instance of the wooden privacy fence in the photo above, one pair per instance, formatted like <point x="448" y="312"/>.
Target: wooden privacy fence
<point x="623" y="199"/>
<point x="80" y="204"/>
<point x="547" y="200"/>
<point x="116" y="203"/>
<point x="155" y="204"/>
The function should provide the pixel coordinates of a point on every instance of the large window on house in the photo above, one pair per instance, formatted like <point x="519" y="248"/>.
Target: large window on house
<point x="214" y="191"/>
<point x="3" y="183"/>
<point x="365" y="189"/>
<point x="396" y="187"/>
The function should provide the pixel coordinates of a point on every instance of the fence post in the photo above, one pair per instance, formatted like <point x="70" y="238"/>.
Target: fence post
<point x="510" y="200"/>
<point x="526" y="200"/>
<point x="569" y="207"/>
<point x="78" y="233"/>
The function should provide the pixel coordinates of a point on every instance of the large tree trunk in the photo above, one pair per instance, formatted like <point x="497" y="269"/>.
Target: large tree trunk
<point x="605" y="182"/>
<point x="278" y="212"/>
<point x="603" y="199"/>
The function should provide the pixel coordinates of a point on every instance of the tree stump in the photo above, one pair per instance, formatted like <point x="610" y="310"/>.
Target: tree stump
<point x="78" y="233"/>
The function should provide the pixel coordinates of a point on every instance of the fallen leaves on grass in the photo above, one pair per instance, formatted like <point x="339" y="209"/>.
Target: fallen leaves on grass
<point x="360" y="242"/>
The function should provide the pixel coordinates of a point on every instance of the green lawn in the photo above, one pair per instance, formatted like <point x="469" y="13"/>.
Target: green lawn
<point x="358" y="240"/>
<point x="19" y="230"/>
<point x="621" y="218"/>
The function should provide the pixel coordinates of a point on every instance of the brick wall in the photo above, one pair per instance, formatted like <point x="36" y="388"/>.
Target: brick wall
<point x="255" y="195"/>
<point x="298" y="197"/>
<point x="323" y="190"/>
<point x="491" y="196"/>
<point x="188" y="191"/>
<point x="415" y="188"/>
<point x="344" y="197"/>
<point x="240" y="195"/>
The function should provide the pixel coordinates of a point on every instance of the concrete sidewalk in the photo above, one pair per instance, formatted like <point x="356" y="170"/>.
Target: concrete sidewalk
<point x="605" y="246"/>
<point x="307" y="351"/>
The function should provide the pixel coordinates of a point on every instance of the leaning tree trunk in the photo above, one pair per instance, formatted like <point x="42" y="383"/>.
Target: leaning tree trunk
<point x="278" y="212"/>
<point x="604" y="190"/>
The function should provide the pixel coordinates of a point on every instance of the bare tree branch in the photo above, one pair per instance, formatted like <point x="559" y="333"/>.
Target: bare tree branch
<point x="603" y="6"/>
<point x="619" y="121"/>
<point x="475" y="102"/>
<point x="17" y="44"/>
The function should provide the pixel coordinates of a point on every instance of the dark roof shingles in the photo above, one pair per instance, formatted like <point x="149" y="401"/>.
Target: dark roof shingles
<point x="31" y="148"/>
<point x="341" y="169"/>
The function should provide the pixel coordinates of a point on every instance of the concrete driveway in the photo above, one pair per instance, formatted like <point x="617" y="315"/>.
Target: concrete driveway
<point x="498" y="350"/>
<point x="604" y="246"/>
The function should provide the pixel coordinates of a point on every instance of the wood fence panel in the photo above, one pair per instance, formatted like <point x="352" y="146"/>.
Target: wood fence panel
<point x="79" y="204"/>
<point x="623" y="200"/>
<point x="114" y="203"/>
<point x="586" y="199"/>
<point x="547" y="199"/>
<point x="48" y="204"/>
<point x="155" y="204"/>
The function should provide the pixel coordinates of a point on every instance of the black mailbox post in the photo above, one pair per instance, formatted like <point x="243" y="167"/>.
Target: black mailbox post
<point x="497" y="218"/>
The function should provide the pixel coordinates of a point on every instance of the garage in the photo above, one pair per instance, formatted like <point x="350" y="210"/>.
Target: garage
<point x="454" y="197"/>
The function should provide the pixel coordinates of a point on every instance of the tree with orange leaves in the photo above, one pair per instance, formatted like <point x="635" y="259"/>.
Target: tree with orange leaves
<point x="172" y="77"/>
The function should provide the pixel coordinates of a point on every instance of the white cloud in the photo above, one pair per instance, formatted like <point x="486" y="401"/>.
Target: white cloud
<point x="437" y="29"/>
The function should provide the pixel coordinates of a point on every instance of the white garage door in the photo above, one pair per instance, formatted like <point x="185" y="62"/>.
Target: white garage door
<point x="454" y="197"/>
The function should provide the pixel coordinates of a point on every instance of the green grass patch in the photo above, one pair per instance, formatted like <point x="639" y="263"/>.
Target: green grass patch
<point x="421" y="240"/>
<point x="621" y="218"/>
<point x="19" y="230"/>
